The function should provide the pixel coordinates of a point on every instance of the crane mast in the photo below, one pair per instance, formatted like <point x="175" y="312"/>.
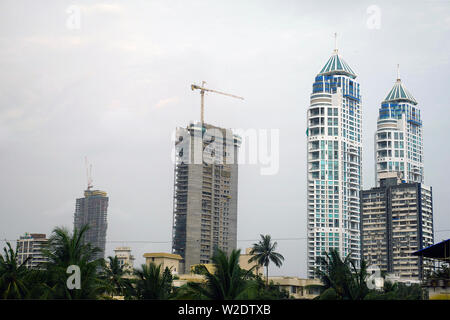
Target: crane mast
<point x="202" y="97"/>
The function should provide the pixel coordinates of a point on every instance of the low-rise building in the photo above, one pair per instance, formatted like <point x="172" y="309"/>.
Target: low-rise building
<point x="298" y="288"/>
<point x="169" y="260"/>
<point x="126" y="259"/>
<point x="243" y="262"/>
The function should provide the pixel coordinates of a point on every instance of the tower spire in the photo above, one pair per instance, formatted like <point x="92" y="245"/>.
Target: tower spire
<point x="335" y="43"/>
<point x="398" y="72"/>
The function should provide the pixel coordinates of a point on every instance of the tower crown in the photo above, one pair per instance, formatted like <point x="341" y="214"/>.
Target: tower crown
<point x="399" y="92"/>
<point x="337" y="65"/>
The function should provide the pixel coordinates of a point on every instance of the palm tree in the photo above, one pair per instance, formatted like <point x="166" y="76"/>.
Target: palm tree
<point x="113" y="274"/>
<point x="63" y="250"/>
<point x="228" y="282"/>
<point x="264" y="252"/>
<point x="12" y="275"/>
<point x="342" y="276"/>
<point x="153" y="284"/>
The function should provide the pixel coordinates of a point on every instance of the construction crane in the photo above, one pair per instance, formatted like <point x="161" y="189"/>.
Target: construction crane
<point x="202" y="95"/>
<point x="88" y="174"/>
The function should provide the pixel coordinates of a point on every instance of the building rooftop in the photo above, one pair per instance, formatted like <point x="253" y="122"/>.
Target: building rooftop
<point x="439" y="250"/>
<point x="162" y="255"/>
<point x="399" y="92"/>
<point x="337" y="65"/>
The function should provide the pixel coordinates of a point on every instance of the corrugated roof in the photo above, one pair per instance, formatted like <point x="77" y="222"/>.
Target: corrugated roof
<point x="399" y="92"/>
<point x="337" y="65"/>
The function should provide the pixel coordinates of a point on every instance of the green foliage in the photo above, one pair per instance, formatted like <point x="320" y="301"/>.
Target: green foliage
<point x="113" y="276"/>
<point x="397" y="291"/>
<point x="329" y="294"/>
<point x="342" y="275"/>
<point x="12" y="275"/>
<point x="152" y="284"/>
<point x="259" y="290"/>
<point x="264" y="252"/>
<point x="101" y="280"/>
<point x="63" y="250"/>
<point x="228" y="282"/>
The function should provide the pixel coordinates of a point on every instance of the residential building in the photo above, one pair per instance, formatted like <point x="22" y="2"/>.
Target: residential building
<point x="254" y="266"/>
<point x="125" y="258"/>
<point x="298" y="288"/>
<point x="205" y="193"/>
<point x="396" y="220"/>
<point x="30" y="246"/>
<point x="92" y="211"/>
<point x="398" y="140"/>
<point x="165" y="260"/>
<point x="334" y="150"/>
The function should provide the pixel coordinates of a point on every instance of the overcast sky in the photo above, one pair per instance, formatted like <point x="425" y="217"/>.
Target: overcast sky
<point x="114" y="84"/>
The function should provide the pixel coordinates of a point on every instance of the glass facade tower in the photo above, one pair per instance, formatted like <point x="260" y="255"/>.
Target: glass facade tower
<point x="334" y="146"/>
<point x="398" y="140"/>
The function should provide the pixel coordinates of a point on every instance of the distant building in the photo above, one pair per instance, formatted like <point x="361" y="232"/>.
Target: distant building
<point x="298" y="288"/>
<point x="396" y="220"/>
<point x="92" y="210"/>
<point x="126" y="259"/>
<point x="169" y="260"/>
<point x="205" y="193"/>
<point x="30" y="246"/>
<point x="244" y="264"/>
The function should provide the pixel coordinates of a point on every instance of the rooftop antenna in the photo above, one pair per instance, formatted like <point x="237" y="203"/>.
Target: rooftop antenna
<point x="335" y="43"/>
<point x="398" y="72"/>
<point x="88" y="174"/>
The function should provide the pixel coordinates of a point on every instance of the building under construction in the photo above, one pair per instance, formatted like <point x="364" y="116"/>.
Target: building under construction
<point x="205" y="193"/>
<point x="92" y="210"/>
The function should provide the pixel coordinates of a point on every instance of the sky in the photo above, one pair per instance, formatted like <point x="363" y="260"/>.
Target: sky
<point x="110" y="80"/>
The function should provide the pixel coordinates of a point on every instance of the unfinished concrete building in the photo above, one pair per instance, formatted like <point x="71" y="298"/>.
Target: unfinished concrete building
<point x="92" y="211"/>
<point x="205" y="193"/>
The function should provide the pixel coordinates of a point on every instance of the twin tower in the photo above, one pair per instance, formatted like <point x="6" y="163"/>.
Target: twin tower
<point x="334" y="153"/>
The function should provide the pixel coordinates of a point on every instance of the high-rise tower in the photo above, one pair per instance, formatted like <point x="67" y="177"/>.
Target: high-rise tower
<point x="398" y="140"/>
<point x="205" y="199"/>
<point x="334" y="163"/>
<point x="396" y="220"/>
<point x="92" y="210"/>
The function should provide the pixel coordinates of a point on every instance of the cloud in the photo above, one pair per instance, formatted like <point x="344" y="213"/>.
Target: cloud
<point x="58" y="42"/>
<point x="164" y="102"/>
<point x="101" y="8"/>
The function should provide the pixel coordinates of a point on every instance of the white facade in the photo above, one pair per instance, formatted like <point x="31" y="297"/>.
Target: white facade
<point x="398" y="140"/>
<point x="126" y="259"/>
<point x="334" y="163"/>
<point x="29" y="250"/>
